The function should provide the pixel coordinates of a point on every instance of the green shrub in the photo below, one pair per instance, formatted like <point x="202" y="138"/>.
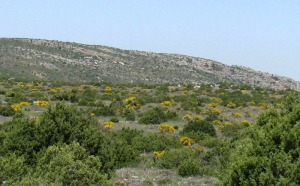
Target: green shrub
<point x="155" y="142"/>
<point x="153" y="116"/>
<point x="129" y="115"/>
<point x="269" y="152"/>
<point x="190" y="167"/>
<point x="104" y="111"/>
<point x="6" y="111"/>
<point x="12" y="168"/>
<point x="2" y="91"/>
<point x="66" y="165"/>
<point x="114" y="119"/>
<point x="200" y="126"/>
<point x="173" y="158"/>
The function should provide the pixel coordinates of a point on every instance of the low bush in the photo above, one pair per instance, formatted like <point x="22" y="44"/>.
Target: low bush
<point x="190" y="167"/>
<point x="153" y="116"/>
<point x="200" y="126"/>
<point x="172" y="159"/>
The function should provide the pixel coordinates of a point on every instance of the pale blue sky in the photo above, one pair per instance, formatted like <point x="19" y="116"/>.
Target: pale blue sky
<point x="261" y="34"/>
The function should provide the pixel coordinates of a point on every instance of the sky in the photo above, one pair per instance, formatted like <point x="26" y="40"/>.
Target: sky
<point x="260" y="34"/>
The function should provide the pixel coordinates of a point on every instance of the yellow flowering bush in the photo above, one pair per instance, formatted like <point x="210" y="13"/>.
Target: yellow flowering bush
<point x="226" y="124"/>
<point x="204" y="112"/>
<point x="93" y="87"/>
<point x="197" y="117"/>
<point x="36" y="120"/>
<point x="245" y="122"/>
<point x="264" y="106"/>
<point x="107" y="89"/>
<point x="217" y="122"/>
<point x="17" y="106"/>
<point x="42" y="103"/>
<point x="252" y="103"/>
<point x="108" y="124"/>
<point x="216" y="111"/>
<point x="231" y="105"/>
<point x="187" y="117"/>
<point x="56" y="90"/>
<point x="185" y="92"/>
<point x="158" y="154"/>
<point x="213" y="105"/>
<point x="130" y="99"/>
<point x="166" y="128"/>
<point x="199" y="150"/>
<point x="216" y="100"/>
<point x="167" y="103"/>
<point x="244" y="91"/>
<point x="24" y="103"/>
<point x="237" y="115"/>
<point x="186" y="141"/>
<point x="132" y="106"/>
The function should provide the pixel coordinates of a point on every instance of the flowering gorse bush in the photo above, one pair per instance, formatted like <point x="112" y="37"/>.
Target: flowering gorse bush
<point x="167" y="103"/>
<point x="108" y="124"/>
<point x="213" y="105"/>
<point x="216" y="111"/>
<point x="56" y="90"/>
<point x="187" y="117"/>
<point x="231" y="105"/>
<point x="42" y="103"/>
<point x="199" y="150"/>
<point x="197" y="117"/>
<point x="237" y="115"/>
<point x="166" y="128"/>
<point x="108" y="89"/>
<point x="130" y="99"/>
<point x="186" y="141"/>
<point x="17" y="106"/>
<point x="158" y="154"/>
<point x="264" y="106"/>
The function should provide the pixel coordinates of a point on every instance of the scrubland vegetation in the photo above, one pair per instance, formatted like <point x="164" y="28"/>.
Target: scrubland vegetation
<point x="56" y="133"/>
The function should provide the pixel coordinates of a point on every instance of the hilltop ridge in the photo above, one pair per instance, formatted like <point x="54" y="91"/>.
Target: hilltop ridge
<point x="68" y="61"/>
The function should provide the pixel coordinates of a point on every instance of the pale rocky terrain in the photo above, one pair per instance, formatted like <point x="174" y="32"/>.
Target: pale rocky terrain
<point x="66" y="61"/>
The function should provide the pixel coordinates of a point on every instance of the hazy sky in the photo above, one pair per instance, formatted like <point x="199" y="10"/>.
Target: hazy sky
<point x="261" y="34"/>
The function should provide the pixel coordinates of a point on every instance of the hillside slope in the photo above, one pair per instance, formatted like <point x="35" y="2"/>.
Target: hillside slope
<point x="55" y="60"/>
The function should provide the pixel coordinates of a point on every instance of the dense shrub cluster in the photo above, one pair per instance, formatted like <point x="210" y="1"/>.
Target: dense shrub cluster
<point x="269" y="154"/>
<point x="61" y="141"/>
<point x="201" y="126"/>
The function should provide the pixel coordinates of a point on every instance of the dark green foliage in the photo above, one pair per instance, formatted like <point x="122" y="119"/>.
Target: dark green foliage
<point x="233" y="130"/>
<point x="16" y="98"/>
<point x="6" y="111"/>
<point x="22" y="139"/>
<point x="153" y="116"/>
<point x="12" y="168"/>
<point x="236" y="97"/>
<point x="171" y="114"/>
<point x="114" y="119"/>
<point x="104" y="111"/>
<point x="2" y="91"/>
<point x="190" y="167"/>
<point x="199" y="126"/>
<point x="155" y="142"/>
<point x="172" y="159"/>
<point x="65" y="96"/>
<point x="269" y="154"/>
<point x="63" y="139"/>
<point x="129" y="115"/>
<point x="88" y="97"/>
<point x="69" y="165"/>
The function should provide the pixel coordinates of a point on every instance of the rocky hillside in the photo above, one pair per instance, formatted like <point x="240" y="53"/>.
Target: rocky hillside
<point x="55" y="60"/>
